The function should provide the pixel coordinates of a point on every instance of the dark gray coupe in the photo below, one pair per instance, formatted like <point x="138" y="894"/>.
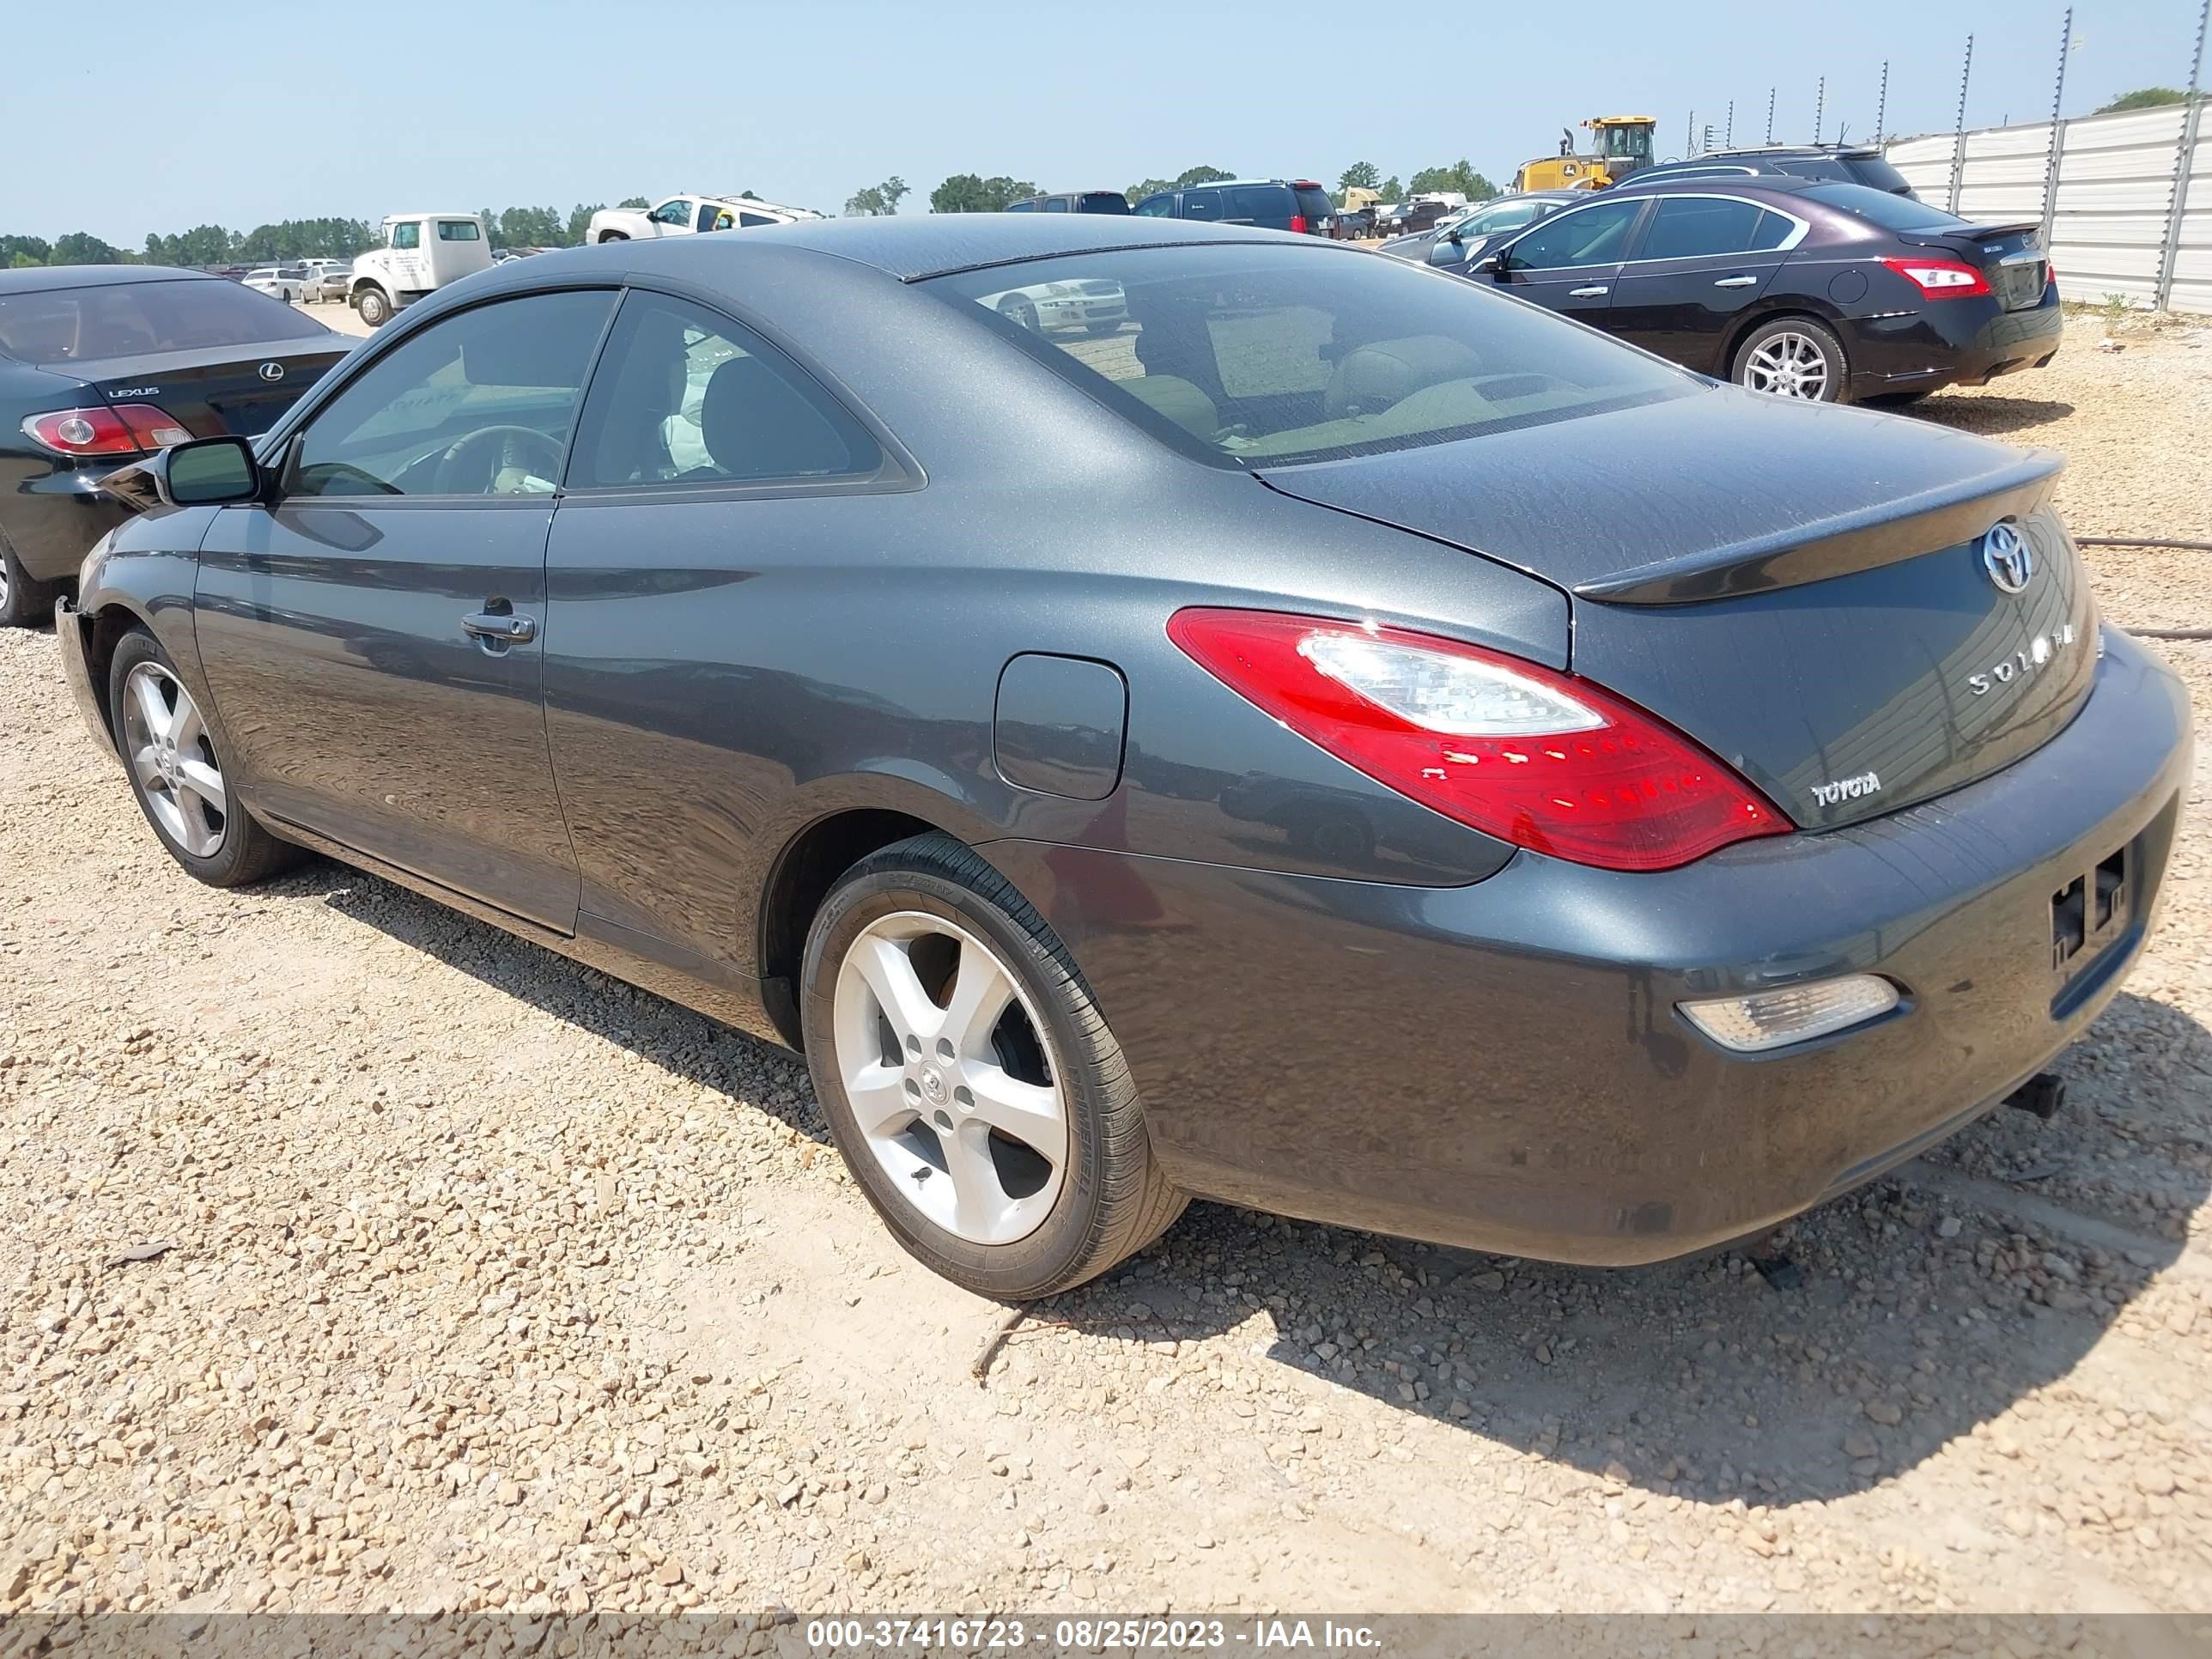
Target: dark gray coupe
<point x="1245" y="750"/>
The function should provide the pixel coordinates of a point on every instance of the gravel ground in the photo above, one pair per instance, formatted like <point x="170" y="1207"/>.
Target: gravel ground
<point x="356" y="1255"/>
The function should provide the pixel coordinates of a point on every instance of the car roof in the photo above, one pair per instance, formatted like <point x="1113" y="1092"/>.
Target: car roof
<point x="936" y="244"/>
<point x="39" y="279"/>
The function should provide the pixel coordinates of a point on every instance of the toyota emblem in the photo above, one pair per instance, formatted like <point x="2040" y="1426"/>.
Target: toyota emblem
<point x="2007" y="558"/>
<point x="272" y="371"/>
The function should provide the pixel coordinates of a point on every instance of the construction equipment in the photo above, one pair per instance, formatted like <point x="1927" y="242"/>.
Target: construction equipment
<point x="1622" y="144"/>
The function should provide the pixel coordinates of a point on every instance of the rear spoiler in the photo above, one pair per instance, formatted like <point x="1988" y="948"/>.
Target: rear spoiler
<point x="1886" y="534"/>
<point x="1951" y="234"/>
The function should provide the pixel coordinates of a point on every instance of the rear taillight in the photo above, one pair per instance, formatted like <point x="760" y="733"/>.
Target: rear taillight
<point x="1538" y="758"/>
<point x="1299" y="223"/>
<point x="107" y="429"/>
<point x="1941" y="279"/>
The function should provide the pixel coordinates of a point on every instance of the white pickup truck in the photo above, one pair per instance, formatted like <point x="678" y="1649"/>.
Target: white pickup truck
<point x="422" y="252"/>
<point x="687" y="214"/>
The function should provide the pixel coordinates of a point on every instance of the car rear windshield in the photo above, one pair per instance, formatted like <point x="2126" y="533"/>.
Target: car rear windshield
<point x="1313" y="201"/>
<point x="1103" y="201"/>
<point x="1890" y="212"/>
<point x="1250" y="354"/>
<point x="125" y="320"/>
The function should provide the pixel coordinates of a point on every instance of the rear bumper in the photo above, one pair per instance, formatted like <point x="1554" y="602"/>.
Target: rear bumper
<point x="1952" y="342"/>
<point x="1502" y="1067"/>
<point x="52" y="520"/>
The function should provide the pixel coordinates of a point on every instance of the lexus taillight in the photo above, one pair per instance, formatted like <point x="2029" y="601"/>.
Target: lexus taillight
<point x="1541" y="759"/>
<point x="107" y="429"/>
<point x="1941" y="279"/>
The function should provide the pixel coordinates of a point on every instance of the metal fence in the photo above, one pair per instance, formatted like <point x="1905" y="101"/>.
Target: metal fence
<point x="2126" y="200"/>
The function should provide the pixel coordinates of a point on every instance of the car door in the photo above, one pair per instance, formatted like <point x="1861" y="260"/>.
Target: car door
<point x="1568" y="262"/>
<point x="372" y="632"/>
<point x="1201" y="205"/>
<point x="673" y="217"/>
<point x="1702" y="260"/>
<point x="714" y="496"/>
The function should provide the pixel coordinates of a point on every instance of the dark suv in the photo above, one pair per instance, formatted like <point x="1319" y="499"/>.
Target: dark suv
<point x="1297" y="205"/>
<point x="1850" y="164"/>
<point x="1072" y="201"/>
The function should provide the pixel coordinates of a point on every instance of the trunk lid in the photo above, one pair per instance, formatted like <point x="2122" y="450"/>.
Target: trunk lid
<point x="2010" y="256"/>
<point x="1801" y="588"/>
<point x="215" y="390"/>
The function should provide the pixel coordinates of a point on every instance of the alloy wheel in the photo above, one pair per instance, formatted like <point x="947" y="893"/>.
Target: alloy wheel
<point x="3" y="585"/>
<point x="1787" y="365"/>
<point x="174" y="759"/>
<point x="950" y="1079"/>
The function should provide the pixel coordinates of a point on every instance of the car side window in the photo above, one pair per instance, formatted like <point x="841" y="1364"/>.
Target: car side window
<point x="1055" y="204"/>
<point x="1201" y="205"/>
<point x="1259" y="202"/>
<point x="407" y="235"/>
<point x="1685" y="226"/>
<point x="707" y="212"/>
<point x="1157" y="206"/>
<point x="677" y="211"/>
<point x="478" y="403"/>
<point x="686" y="396"/>
<point x="750" y="220"/>
<point x="1593" y="236"/>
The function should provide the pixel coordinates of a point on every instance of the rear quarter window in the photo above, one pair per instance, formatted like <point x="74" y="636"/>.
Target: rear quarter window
<point x="1266" y="203"/>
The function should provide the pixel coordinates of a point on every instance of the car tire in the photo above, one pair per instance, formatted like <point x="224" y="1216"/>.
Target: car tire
<point x="1100" y="330"/>
<point x="1022" y="313"/>
<point x="919" y="918"/>
<point x="172" y="765"/>
<point x="1792" y="357"/>
<point x="375" y="305"/>
<point x="25" y="602"/>
<point x="613" y="236"/>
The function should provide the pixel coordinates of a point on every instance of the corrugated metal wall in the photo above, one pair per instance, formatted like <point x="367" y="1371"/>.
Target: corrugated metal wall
<point x="2115" y="197"/>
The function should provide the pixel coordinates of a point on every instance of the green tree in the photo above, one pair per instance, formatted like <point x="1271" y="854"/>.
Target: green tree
<point x="580" y="222"/>
<point x="16" y="250"/>
<point x="636" y="202"/>
<point x="80" y="247"/>
<point x="876" y="199"/>
<point x="964" y="192"/>
<point x="1360" y="175"/>
<point x="1189" y="176"/>
<point x="2144" y="98"/>
<point x="530" y="227"/>
<point x="1461" y="176"/>
<point x="1391" y="189"/>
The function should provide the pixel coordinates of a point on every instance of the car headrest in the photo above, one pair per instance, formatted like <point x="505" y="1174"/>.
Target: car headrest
<point x="1369" y="379"/>
<point x="756" y="425"/>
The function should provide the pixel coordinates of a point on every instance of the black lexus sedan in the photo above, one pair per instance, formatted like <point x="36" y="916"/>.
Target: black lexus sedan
<point x="1824" y="291"/>
<point x="1231" y="758"/>
<point x="102" y="364"/>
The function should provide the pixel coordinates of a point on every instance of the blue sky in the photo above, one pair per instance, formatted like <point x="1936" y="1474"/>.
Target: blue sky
<point x="173" y="115"/>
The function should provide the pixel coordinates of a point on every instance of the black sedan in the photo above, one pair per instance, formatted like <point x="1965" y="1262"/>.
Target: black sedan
<point x="1830" y="292"/>
<point x="100" y="365"/>
<point x="1232" y="757"/>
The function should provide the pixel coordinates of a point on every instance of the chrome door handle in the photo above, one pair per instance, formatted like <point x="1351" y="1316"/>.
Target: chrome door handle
<point x="1736" y="282"/>
<point x="1588" y="292"/>
<point x="506" y="630"/>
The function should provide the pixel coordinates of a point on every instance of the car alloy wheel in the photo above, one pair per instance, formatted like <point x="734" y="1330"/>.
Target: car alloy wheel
<point x="167" y="745"/>
<point x="1787" y="365"/>
<point x="950" y="1078"/>
<point x="1022" y="313"/>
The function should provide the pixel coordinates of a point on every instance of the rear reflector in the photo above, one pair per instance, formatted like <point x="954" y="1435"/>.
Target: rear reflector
<point x="1795" y="1013"/>
<point x="1540" y="759"/>
<point x="1941" y="279"/>
<point x="105" y="430"/>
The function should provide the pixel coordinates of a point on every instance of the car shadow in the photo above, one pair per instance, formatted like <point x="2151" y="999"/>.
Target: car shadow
<point x="1991" y="416"/>
<point x="1928" y="1303"/>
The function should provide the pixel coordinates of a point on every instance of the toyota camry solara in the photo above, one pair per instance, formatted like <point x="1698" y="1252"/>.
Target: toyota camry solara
<point x="1249" y="753"/>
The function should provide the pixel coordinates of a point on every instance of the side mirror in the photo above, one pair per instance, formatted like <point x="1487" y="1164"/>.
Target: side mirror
<point x="208" y="473"/>
<point x="1489" y="262"/>
<point x="1446" y="252"/>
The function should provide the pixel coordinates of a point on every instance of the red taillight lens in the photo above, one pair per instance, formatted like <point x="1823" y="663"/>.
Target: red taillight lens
<point x="1538" y="758"/>
<point x="1299" y="223"/>
<point x="1941" y="279"/>
<point x="109" y="429"/>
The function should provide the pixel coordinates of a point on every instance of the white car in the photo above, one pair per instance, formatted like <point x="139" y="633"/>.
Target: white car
<point x="687" y="215"/>
<point x="286" y="282"/>
<point x="1095" y="305"/>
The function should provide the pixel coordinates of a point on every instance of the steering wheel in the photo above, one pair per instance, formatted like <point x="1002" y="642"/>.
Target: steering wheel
<point x="474" y="465"/>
